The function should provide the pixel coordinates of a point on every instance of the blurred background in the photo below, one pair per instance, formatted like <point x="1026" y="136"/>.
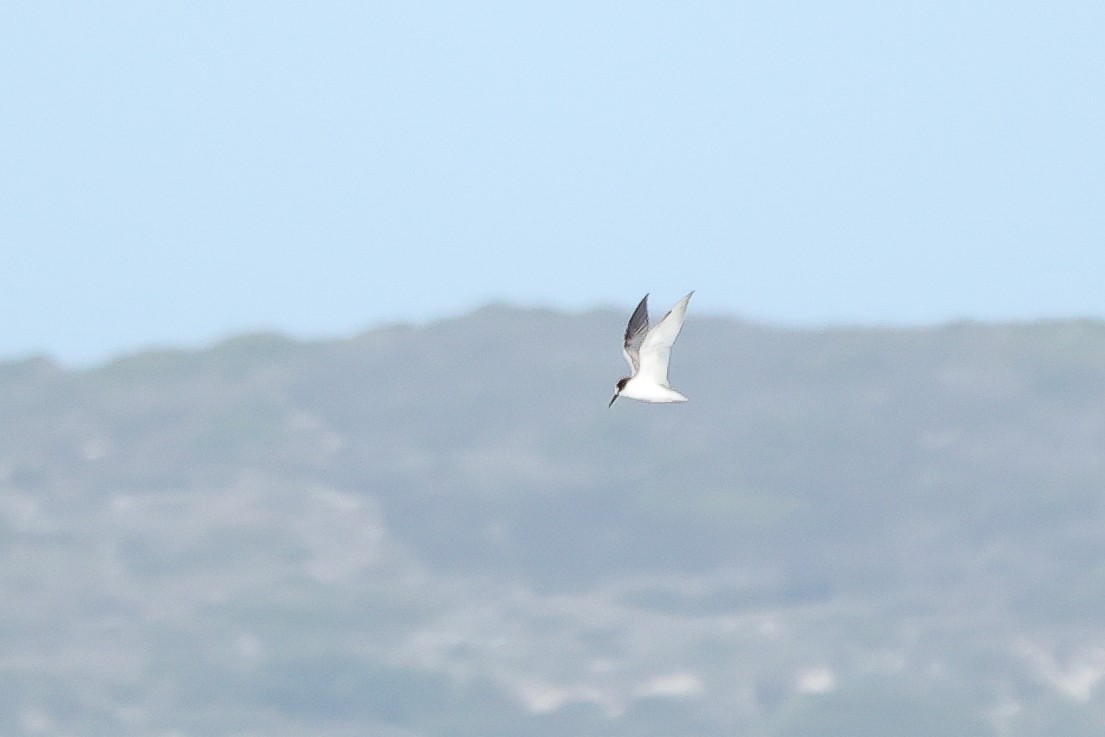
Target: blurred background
<point x="312" y="312"/>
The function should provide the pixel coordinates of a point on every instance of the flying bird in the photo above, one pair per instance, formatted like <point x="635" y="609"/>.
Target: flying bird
<point x="648" y="352"/>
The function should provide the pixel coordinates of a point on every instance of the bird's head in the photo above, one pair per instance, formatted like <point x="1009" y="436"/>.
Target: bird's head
<point x="618" y="390"/>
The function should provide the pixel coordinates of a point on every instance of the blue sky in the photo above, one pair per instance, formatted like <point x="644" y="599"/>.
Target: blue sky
<point x="172" y="173"/>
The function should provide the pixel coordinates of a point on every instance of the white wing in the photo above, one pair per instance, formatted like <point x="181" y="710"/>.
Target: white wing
<point x="655" y="351"/>
<point x="635" y="333"/>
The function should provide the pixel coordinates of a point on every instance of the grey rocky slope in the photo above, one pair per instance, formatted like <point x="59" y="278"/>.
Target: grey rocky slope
<point x="443" y="530"/>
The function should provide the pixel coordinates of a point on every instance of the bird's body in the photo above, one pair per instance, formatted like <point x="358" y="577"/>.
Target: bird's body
<point x="648" y="352"/>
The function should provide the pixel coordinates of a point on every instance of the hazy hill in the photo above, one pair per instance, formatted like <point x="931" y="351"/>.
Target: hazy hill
<point x="444" y="531"/>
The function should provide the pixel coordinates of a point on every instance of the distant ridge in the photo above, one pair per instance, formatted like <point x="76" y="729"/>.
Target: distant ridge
<point x="428" y="522"/>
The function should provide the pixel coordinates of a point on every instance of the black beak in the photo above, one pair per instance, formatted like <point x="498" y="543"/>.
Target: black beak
<point x="616" y="395"/>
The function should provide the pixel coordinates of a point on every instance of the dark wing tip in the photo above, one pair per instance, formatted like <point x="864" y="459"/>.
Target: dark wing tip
<point x="638" y="321"/>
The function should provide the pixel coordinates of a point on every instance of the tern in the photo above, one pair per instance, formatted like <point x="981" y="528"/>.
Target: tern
<point x="648" y="352"/>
